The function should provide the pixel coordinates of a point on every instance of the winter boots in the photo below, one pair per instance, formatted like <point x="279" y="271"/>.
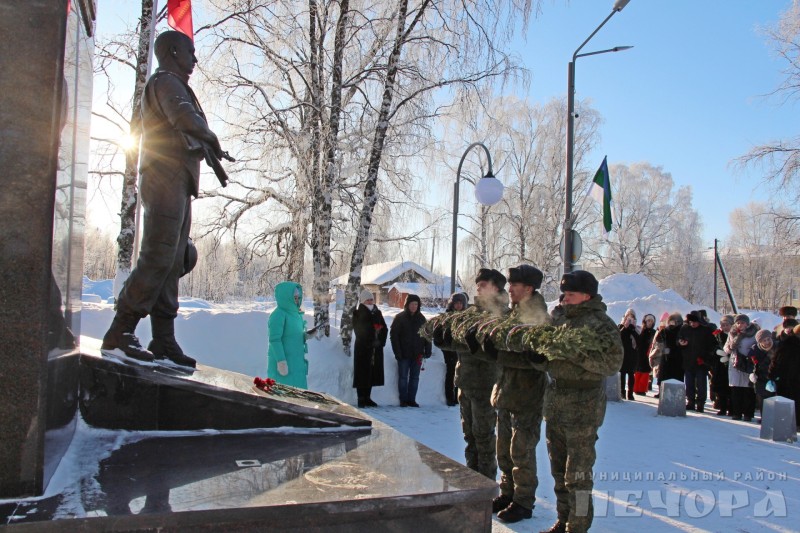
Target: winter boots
<point x="558" y="527"/>
<point x="121" y="336"/>
<point x="500" y="503"/>
<point x="514" y="513"/>
<point x="164" y="345"/>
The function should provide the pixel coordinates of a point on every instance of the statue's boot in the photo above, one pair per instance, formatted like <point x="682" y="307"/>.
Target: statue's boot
<point x="122" y="336"/>
<point x="164" y="345"/>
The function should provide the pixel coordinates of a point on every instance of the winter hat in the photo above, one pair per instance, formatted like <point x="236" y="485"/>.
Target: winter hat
<point x="789" y="323"/>
<point x="457" y="297"/>
<point x="726" y="319"/>
<point x="630" y="312"/>
<point x="742" y="318"/>
<point x="763" y="334"/>
<point x="664" y="317"/>
<point x="493" y="276"/>
<point x="527" y="275"/>
<point x="693" y="317"/>
<point x="787" y="310"/>
<point x="652" y="316"/>
<point x="412" y="298"/>
<point x="365" y="295"/>
<point x="579" y="281"/>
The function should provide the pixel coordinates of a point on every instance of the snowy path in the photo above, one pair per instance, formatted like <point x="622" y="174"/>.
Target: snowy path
<point x="734" y="481"/>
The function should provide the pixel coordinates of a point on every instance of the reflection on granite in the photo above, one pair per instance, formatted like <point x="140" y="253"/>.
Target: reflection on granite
<point x="117" y="394"/>
<point x="357" y="480"/>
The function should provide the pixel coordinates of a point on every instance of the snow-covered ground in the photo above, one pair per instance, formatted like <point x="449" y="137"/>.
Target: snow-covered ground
<point x="654" y="474"/>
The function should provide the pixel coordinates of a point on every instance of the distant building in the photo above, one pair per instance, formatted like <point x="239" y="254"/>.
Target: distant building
<point x="404" y="277"/>
<point x="431" y="294"/>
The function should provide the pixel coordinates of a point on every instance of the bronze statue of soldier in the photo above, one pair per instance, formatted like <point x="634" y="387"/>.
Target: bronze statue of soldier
<point x="172" y="122"/>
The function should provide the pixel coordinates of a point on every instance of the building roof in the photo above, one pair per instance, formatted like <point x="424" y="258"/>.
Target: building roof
<point x="423" y="290"/>
<point x="381" y="273"/>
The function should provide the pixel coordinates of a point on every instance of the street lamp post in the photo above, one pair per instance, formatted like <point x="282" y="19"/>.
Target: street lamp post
<point x="618" y="6"/>
<point x="488" y="191"/>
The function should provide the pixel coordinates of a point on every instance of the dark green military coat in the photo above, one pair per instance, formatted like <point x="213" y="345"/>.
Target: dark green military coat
<point x="518" y="381"/>
<point x="597" y="363"/>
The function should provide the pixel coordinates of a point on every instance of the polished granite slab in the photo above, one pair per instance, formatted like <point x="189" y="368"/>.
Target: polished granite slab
<point x="120" y="393"/>
<point x="360" y="479"/>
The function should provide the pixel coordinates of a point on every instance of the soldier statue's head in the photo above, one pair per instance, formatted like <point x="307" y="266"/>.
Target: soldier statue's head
<point x="175" y="53"/>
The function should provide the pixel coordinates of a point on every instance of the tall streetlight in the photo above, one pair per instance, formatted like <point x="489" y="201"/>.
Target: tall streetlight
<point x="488" y="191"/>
<point x="618" y="6"/>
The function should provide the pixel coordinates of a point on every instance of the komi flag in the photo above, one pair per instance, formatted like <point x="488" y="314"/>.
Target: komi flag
<point x="179" y="17"/>
<point x="600" y="190"/>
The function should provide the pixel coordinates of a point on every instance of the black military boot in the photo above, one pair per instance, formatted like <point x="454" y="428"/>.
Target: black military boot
<point x="500" y="503"/>
<point x="558" y="527"/>
<point x="164" y="345"/>
<point x="122" y="336"/>
<point x="514" y="513"/>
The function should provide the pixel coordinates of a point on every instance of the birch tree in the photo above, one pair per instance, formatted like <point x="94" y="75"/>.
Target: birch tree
<point x="131" y="51"/>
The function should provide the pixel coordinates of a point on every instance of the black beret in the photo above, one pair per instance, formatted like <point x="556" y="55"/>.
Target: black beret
<point x="527" y="275"/>
<point x="493" y="276"/>
<point x="579" y="281"/>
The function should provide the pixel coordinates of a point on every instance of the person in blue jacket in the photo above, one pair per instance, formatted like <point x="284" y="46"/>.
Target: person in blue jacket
<point x="287" y="363"/>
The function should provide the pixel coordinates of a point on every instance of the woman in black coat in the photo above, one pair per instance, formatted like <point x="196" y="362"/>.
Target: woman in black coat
<point x="371" y="332"/>
<point x="630" y="344"/>
<point x="784" y="371"/>
<point x="643" y="369"/>
<point x="409" y="349"/>
<point x="671" y="366"/>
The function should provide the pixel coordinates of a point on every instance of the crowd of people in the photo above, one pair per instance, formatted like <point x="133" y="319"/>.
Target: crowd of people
<point x="734" y="366"/>
<point x="504" y="395"/>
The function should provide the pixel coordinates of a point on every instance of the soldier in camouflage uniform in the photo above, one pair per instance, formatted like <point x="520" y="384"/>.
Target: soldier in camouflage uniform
<point x="575" y="404"/>
<point x="519" y="399"/>
<point x="476" y="373"/>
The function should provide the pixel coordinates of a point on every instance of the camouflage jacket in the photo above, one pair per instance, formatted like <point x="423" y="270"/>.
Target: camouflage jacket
<point x="478" y="370"/>
<point x="519" y="384"/>
<point x="593" y="364"/>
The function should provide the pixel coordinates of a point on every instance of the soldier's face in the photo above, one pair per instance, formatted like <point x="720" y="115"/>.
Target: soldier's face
<point x="575" y="298"/>
<point x="486" y="287"/>
<point x="183" y="54"/>
<point x="518" y="292"/>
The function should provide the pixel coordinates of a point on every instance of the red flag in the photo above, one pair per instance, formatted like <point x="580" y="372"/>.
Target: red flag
<point x="179" y="16"/>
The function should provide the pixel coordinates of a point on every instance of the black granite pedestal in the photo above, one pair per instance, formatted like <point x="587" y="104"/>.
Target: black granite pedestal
<point x="341" y="471"/>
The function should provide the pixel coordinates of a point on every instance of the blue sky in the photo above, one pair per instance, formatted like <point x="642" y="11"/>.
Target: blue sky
<point x="688" y="97"/>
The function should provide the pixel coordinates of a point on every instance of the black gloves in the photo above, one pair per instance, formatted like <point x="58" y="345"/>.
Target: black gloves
<point x="489" y="348"/>
<point x="535" y="357"/>
<point x="438" y="336"/>
<point x="472" y="340"/>
<point x="442" y="337"/>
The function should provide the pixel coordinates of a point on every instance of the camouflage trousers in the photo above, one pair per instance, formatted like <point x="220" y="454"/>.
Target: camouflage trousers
<point x="517" y="436"/>
<point x="573" y="417"/>
<point x="478" y="420"/>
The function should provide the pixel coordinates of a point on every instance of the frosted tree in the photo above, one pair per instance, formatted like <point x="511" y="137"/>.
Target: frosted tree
<point x="644" y="202"/>
<point x="532" y="213"/>
<point x="780" y="158"/>
<point x="129" y="52"/>
<point x="761" y="256"/>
